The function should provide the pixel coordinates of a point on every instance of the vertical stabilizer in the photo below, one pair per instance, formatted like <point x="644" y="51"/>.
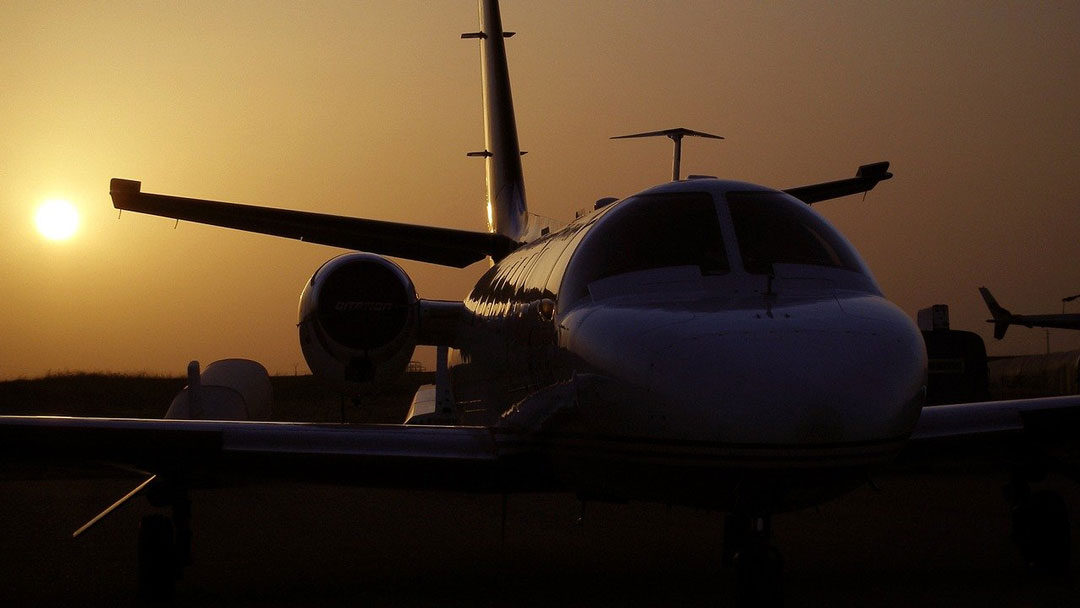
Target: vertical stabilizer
<point x="1002" y="318"/>
<point x="505" y="182"/>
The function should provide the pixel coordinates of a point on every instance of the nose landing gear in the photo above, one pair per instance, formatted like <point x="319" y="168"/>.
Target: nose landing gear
<point x="1040" y="527"/>
<point x="759" y="568"/>
<point x="164" y="542"/>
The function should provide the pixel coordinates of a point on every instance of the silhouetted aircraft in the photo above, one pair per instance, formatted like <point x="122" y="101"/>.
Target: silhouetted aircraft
<point x="1003" y="318"/>
<point x="704" y="342"/>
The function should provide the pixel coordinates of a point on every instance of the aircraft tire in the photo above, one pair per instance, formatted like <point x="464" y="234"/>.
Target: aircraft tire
<point x="156" y="557"/>
<point x="759" y="571"/>
<point x="1041" y="529"/>
<point x="736" y="531"/>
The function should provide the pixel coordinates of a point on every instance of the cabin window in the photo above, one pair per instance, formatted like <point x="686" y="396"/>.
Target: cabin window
<point x="773" y="229"/>
<point x="649" y="231"/>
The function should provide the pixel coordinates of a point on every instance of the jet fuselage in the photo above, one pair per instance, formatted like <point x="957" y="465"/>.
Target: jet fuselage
<point x="703" y="326"/>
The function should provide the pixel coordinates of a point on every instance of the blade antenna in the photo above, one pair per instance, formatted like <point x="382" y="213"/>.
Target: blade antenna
<point x="675" y="135"/>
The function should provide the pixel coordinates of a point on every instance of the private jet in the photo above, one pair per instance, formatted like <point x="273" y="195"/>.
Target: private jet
<point x="704" y="342"/>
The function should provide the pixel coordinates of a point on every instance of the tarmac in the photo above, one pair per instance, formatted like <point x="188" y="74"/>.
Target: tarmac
<point x="908" y="540"/>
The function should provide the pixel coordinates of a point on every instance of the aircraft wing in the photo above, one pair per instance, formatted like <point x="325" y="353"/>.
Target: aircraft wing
<point x="444" y="246"/>
<point x="993" y="428"/>
<point x="224" y="452"/>
<point x="865" y="179"/>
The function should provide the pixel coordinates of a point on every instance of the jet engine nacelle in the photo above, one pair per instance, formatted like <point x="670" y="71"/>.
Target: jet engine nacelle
<point x="230" y="389"/>
<point x="358" y="320"/>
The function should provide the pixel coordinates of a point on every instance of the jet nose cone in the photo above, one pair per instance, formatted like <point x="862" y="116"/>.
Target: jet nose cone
<point x="802" y="373"/>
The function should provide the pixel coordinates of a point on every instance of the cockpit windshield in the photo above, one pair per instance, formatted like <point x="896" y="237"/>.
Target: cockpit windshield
<point x="772" y="229"/>
<point x="649" y="231"/>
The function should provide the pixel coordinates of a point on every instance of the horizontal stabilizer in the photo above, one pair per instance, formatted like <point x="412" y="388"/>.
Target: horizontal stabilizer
<point x="865" y="179"/>
<point x="443" y="246"/>
<point x="672" y="133"/>
<point x="676" y="135"/>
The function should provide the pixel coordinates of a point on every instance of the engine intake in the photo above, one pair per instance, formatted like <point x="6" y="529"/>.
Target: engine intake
<point x="358" y="320"/>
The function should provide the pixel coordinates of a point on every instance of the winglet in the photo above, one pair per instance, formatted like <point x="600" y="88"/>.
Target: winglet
<point x="1002" y="317"/>
<point x="875" y="171"/>
<point x="123" y="191"/>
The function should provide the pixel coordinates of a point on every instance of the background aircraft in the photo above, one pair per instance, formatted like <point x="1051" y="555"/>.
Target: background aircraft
<point x="1003" y="318"/>
<point x="704" y="342"/>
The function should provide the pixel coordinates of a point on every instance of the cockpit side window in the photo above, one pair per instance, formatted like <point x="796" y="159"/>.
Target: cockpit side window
<point x="649" y="231"/>
<point x="774" y="230"/>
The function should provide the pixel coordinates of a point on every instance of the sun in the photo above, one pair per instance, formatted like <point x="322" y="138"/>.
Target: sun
<point x="57" y="220"/>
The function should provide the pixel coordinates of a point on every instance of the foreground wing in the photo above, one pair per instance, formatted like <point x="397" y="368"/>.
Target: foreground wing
<point x="444" y="246"/>
<point x="998" y="430"/>
<point x="1049" y="416"/>
<point x="465" y="458"/>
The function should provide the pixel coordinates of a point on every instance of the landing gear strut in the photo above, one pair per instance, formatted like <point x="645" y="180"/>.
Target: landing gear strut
<point x="759" y="568"/>
<point x="157" y="571"/>
<point x="1040" y="526"/>
<point x="164" y="542"/>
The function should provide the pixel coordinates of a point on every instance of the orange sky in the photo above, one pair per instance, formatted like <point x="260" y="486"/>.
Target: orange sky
<point x="368" y="108"/>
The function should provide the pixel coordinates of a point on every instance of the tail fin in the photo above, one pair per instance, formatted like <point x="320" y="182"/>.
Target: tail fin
<point x="507" y="213"/>
<point x="1002" y="318"/>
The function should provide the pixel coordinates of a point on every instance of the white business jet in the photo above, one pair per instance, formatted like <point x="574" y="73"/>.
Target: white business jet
<point x="704" y="342"/>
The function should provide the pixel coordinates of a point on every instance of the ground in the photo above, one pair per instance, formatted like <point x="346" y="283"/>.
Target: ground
<point x="940" y="541"/>
<point x="908" y="539"/>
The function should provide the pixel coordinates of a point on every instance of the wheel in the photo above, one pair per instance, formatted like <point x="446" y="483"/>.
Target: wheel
<point x="759" y="570"/>
<point x="156" y="558"/>
<point x="736" y="532"/>
<point x="1041" y="530"/>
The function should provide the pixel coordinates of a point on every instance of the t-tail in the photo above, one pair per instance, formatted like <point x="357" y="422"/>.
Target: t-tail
<point x="507" y="213"/>
<point x="1002" y="317"/>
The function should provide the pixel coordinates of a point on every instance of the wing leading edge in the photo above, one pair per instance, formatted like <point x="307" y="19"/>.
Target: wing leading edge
<point x="993" y="429"/>
<point x="443" y="246"/>
<point x="455" y="458"/>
